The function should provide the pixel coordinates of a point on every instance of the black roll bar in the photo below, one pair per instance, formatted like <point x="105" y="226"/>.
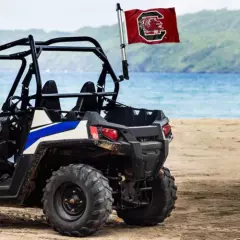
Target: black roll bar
<point x="36" y="48"/>
<point x="18" y="42"/>
<point x="67" y="39"/>
<point x="67" y="95"/>
<point x="36" y="68"/>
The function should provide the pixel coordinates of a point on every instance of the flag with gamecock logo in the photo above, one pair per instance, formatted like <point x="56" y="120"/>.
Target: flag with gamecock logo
<point x="152" y="26"/>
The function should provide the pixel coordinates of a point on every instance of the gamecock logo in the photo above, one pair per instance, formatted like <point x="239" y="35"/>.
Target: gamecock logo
<point x="150" y="26"/>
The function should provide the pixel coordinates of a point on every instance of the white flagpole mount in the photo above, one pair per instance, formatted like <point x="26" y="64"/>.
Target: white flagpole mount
<point x="122" y="44"/>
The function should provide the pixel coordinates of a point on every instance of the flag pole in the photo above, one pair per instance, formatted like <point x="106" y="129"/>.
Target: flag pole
<point x="122" y="44"/>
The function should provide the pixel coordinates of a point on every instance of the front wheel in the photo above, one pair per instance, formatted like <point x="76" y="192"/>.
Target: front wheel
<point x="77" y="200"/>
<point x="162" y="203"/>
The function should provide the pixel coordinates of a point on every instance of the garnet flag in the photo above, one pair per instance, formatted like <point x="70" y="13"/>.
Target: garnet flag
<point x="152" y="26"/>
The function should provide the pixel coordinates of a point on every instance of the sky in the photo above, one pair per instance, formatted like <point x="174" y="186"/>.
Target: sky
<point x="70" y="15"/>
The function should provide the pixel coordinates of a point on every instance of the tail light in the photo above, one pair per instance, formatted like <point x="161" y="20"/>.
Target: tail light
<point x="108" y="133"/>
<point x="166" y="129"/>
<point x="94" y="132"/>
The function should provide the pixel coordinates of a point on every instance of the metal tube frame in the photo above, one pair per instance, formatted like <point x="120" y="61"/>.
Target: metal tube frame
<point x="122" y="44"/>
<point x="37" y="47"/>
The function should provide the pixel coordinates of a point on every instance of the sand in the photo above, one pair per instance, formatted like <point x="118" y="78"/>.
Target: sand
<point x="205" y="160"/>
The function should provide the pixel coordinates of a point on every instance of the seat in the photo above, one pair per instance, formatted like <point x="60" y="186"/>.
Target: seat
<point x="88" y="103"/>
<point x="51" y="104"/>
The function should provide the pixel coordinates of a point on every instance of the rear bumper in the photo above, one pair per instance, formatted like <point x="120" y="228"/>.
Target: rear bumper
<point x="145" y="145"/>
<point x="147" y="157"/>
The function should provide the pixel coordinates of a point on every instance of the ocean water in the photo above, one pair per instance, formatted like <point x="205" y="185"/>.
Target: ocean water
<point x="178" y="95"/>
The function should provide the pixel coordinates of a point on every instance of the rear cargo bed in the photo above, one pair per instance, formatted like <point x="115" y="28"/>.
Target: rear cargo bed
<point x="129" y="116"/>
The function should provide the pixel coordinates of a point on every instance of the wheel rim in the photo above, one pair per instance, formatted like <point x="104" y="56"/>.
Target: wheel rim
<point x="70" y="202"/>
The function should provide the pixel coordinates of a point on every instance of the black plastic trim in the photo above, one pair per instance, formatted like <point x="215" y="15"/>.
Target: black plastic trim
<point x="144" y="131"/>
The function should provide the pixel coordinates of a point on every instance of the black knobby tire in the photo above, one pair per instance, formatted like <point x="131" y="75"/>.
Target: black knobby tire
<point x="91" y="200"/>
<point x="163" y="202"/>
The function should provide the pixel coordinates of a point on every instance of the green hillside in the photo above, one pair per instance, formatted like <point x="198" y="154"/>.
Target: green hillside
<point x="210" y="42"/>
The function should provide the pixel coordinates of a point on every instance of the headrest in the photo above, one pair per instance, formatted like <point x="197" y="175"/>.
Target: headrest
<point x="51" y="103"/>
<point x="91" y="101"/>
<point x="50" y="87"/>
<point x="88" y="87"/>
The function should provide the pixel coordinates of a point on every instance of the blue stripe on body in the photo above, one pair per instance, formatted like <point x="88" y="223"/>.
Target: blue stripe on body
<point x="50" y="130"/>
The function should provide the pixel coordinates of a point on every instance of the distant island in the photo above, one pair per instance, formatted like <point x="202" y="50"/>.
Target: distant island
<point x="210" y="43"/>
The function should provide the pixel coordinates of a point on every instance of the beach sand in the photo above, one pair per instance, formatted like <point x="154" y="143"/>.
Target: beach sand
<point x="205" y="160"/>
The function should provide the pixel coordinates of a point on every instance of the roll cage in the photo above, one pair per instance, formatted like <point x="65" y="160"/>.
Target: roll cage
<point x="35" y="50"/>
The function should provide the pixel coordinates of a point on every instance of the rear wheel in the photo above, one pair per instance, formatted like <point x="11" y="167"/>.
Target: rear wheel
<point x="77" y="200"/>
<point x="162" y="203"/>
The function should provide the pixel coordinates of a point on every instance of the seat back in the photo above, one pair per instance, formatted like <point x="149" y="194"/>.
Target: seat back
<point x="84" y="104"/>
<point x="88" y="103"/>
<point x="51" y="103"/>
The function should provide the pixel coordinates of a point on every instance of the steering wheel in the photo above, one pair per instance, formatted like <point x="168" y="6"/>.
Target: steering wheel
<point x="12" y="106"/>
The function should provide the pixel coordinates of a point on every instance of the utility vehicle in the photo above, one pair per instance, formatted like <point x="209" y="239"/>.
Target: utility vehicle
<point x="79" y="165"/>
